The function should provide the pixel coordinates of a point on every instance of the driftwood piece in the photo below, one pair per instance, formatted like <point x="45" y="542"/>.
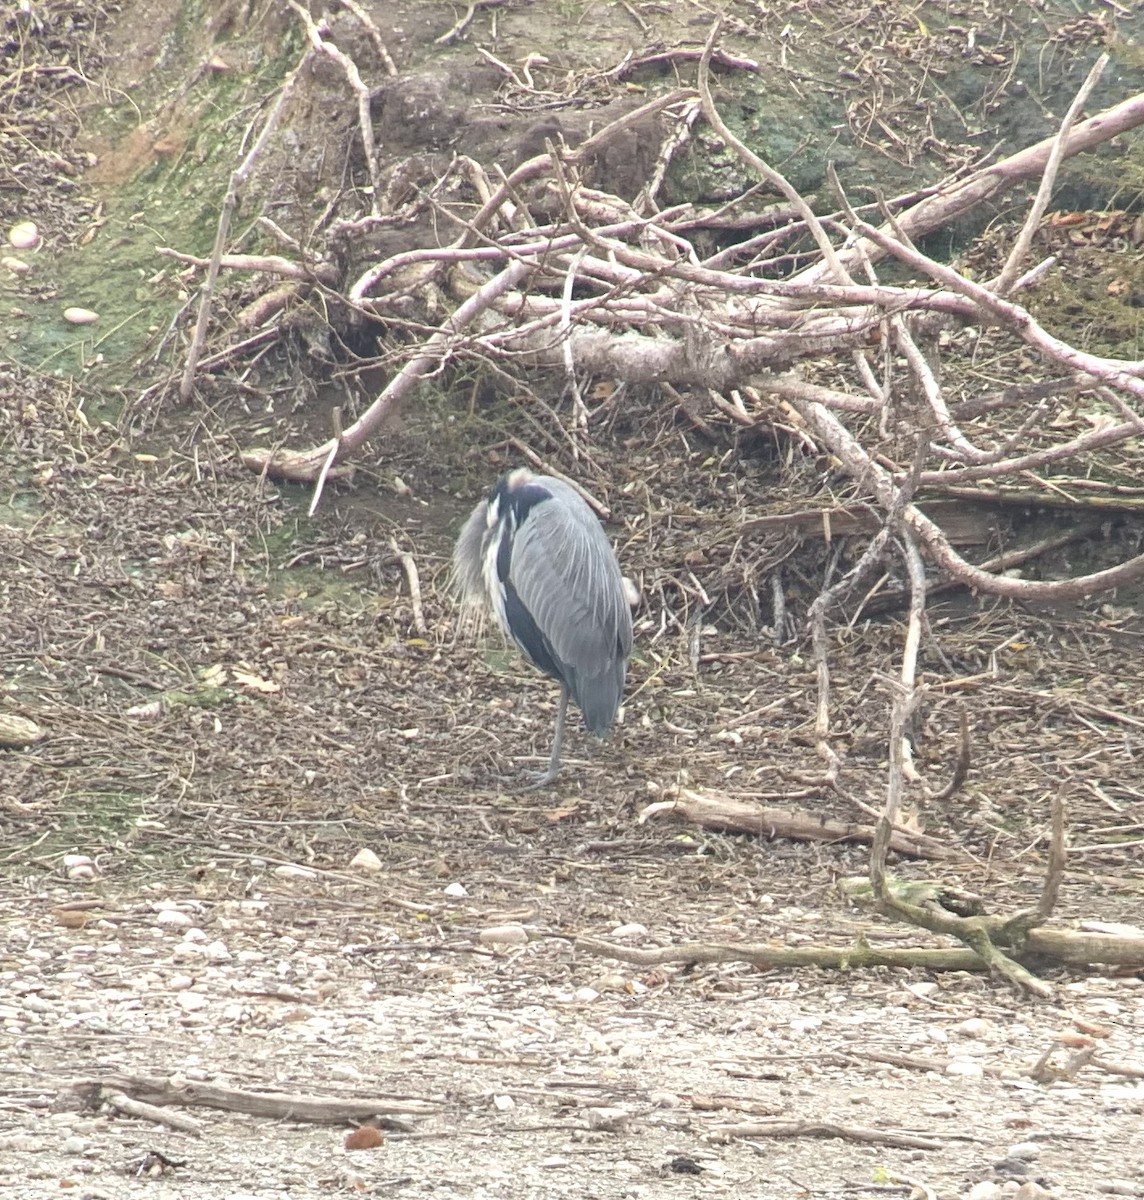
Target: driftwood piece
<point x="714" y="811"/>
<point x="1061" y="946"/>
<point x="131" y="1107"/>
<point x="285" y="1106"/>
<point x="781" y="1127"/>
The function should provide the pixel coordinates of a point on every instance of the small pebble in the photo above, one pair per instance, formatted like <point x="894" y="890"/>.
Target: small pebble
<point x="504" y="1103"/>
<point x="456" y="891"/>
<point x="967" y="1068"/>
<point x="1026" y="1151"/>
<point x="631" y="930"/>
<point x="174" y="919"/>
<point x="984" y="1191"/>
<point x="973" y="1027"/>
<point x="80" y="316"/>
<point x="16" y="265"/>
<point x="609" y="1120"/>
<point x="24" y="235"/>
<point x="1010" y="1167"/>
<point x="1031" y="1191"/>
<point x="366" y="860"/>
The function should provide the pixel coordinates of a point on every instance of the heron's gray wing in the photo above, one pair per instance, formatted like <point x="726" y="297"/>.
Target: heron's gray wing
<point x="565" y="575"/>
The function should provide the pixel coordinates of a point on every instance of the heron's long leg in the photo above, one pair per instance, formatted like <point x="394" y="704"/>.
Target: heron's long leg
<point x="558" y="736"/>
<point x="557" y="744"/>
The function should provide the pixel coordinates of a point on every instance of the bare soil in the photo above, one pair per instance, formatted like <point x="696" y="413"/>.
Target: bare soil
<point x="236" y="700"/>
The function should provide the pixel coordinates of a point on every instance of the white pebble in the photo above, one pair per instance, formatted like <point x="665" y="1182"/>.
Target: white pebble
<point x="74" y="1145"/>
<point x="1031" y="1191"/>
<point x="191" y="951"/>
<point x="16" y="265"/>
<point x="607" y="1119"/>
<point x="80" y="316"/>
<point x="24" y="235"/>
<point x="984" y="1191"/>
<point x="973" y="1027"/>
<point x="174" y="919"/>
<point x="967" y="1068"/>
<point x="631" y="930"/>
<point x="585" y="995"/>
<point x="191" y="1001"/>
<point x="504" y="1103"/>
<point x="456" y="891"/>
<point x="365" y="860"/>
<point x="1025" y="1151"/>
<point x="216" y="951"/>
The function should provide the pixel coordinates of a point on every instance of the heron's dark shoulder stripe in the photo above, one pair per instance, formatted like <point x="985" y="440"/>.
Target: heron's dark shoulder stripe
<point x="515" y="503"/>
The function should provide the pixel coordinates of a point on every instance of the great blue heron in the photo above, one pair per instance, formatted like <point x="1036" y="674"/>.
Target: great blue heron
<point x="534" y="554"/>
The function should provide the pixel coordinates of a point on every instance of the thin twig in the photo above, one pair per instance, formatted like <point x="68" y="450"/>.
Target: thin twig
<point x="409" y="566"/>
<point x="230" y="202"/>
<point x="1004" y="282"/>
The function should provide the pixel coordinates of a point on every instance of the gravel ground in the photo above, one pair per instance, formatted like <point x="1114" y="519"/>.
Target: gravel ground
<point x="544" y="1073"/>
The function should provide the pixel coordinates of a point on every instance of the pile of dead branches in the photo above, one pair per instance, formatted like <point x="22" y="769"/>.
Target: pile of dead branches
<point x="546" y="272"/>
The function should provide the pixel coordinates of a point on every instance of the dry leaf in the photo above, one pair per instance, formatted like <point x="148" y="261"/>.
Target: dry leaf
<point x="255" y="683"/>
<point x="364" y="1138"/>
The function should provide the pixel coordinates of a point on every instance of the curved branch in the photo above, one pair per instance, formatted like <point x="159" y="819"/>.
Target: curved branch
<point x="863" y="468"/>
<point x="306" y="465"/>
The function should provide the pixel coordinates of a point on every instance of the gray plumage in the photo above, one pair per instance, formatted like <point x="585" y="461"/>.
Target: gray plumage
<point x="534" y="554"/>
